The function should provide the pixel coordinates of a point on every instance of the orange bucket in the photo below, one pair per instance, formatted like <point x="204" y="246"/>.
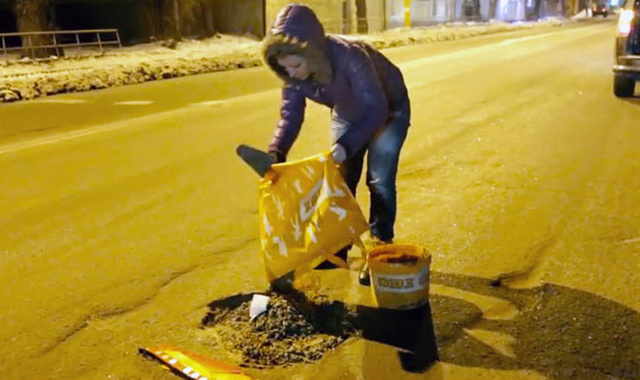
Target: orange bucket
<point x="399" y="276"/>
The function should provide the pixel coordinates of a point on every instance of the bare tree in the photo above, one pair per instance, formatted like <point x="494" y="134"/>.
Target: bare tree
<point x="207" y="19"/>
<point x="471" y="10"/>
<point x="35" y="16"/>
<point x="493" y="7"/>
<point x="153" y="19"/>
<point x="537" y="8"/>
<point x="361" y="15"/>
<point x="171" y="19"/>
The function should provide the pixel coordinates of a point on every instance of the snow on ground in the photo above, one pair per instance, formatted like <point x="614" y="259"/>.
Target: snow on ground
<point x="23" y="79"/>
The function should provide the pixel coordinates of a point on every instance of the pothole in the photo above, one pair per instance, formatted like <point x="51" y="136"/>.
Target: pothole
<point x="295" y="328"/>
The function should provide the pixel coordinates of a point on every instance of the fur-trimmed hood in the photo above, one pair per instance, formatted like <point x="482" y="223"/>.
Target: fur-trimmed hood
<point x="297" y="30"/>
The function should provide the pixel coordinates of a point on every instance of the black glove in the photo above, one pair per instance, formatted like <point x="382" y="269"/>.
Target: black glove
<point x="277" y="157"/>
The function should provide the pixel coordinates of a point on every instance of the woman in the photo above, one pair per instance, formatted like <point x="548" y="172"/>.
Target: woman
<point x="368" y="100"/>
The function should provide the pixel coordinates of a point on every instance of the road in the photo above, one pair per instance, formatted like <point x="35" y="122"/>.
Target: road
<point x="125" y="213"/>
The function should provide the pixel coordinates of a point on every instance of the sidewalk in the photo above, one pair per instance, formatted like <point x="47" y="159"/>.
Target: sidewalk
<point x="26" y="79"/>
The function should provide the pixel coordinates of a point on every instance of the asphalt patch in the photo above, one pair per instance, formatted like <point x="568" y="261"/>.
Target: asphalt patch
<point x="296" y="328"/>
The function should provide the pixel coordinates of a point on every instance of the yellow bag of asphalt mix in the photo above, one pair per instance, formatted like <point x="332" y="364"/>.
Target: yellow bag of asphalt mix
<point x="307" y="214"/>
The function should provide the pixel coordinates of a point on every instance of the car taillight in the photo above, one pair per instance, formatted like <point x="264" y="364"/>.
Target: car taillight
<point x="624" y="24"/>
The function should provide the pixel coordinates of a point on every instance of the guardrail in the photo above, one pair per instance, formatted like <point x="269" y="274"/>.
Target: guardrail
<point x="57" y="37"/>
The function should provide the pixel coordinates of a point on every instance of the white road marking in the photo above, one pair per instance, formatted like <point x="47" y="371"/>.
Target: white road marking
<point x="65" y="136"/>
<point x="60" y="101"/>
<point x="49" y="140"/>
<point x="134" y="103"/>
<point x="212" y="103"/>
<point x="490" y="48"/>
<point x="526" y="38"/>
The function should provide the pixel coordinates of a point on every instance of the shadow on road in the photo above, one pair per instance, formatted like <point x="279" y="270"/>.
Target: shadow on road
<point x="635" y="101"/>
<point x="410" y="331"/>
<point x="560" y="332"/>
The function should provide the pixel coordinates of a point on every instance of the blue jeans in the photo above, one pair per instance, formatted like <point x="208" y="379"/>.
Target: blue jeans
<point x="382" y="168"/>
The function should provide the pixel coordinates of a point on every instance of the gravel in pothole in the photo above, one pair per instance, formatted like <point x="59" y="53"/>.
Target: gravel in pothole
<point x="293" y="329"/>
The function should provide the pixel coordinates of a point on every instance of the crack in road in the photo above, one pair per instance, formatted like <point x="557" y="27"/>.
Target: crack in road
<point x="536" y="256"/>
<point x="102" y="315"/>
<point x="110" y="313"/>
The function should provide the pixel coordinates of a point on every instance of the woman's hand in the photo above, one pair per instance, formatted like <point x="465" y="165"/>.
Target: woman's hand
<point x="338" y="153"/>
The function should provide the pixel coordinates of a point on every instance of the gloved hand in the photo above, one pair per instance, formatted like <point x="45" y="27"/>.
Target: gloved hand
<point x="276" y="157"/>
<point x="339" y="153"/>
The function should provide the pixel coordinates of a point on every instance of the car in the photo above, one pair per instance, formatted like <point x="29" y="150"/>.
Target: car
<point x="600" y="8"/>
<point x="626" y="70"/>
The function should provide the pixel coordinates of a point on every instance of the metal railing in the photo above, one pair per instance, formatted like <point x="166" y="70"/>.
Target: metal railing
<point x="57" y="37"/>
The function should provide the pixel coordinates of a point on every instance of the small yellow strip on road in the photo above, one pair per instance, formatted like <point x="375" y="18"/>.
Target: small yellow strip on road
<point x="502" y="343"/>
<point x="491" y="307"/>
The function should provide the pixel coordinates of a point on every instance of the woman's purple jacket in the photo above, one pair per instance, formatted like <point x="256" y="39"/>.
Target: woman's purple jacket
<point x="362" y="85"/>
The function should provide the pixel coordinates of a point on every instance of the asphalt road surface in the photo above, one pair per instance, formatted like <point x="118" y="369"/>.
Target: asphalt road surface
<point x="124" y="213"/>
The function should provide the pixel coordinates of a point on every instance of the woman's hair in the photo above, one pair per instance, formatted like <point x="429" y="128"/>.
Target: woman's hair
<point x="281" y="45"/>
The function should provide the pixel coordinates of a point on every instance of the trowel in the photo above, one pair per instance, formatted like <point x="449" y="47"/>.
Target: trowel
<point x="258" y="160"/>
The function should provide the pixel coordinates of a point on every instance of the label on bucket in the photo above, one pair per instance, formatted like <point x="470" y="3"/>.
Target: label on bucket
<point x="401" y="283"/>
